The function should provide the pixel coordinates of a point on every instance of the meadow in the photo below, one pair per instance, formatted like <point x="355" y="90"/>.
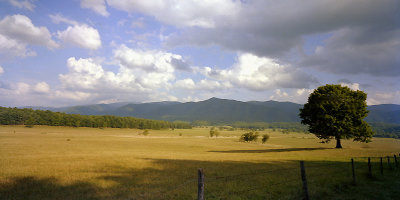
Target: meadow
<point x="90" y="163"/>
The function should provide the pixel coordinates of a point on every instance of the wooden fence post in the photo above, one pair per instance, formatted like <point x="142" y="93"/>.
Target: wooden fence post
<point x="381" y="166"/>
<point x="369" y="167"/>
<point x="304" y="180"/>
<point x="353" y="171"/>
<point x="200" y="185"/>
<point x="395" y="160"/>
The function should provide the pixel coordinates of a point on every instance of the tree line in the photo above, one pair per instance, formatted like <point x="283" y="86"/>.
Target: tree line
<point x="30" y="117"/>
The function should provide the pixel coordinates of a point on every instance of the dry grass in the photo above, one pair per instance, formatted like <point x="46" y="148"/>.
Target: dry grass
<point x="86" y="163"/>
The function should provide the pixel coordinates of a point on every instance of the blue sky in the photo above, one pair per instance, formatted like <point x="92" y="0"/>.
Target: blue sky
<point x="62" y="53"/>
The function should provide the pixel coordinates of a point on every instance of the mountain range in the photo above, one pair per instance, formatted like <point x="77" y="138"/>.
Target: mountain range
<point x="219" y="111"/>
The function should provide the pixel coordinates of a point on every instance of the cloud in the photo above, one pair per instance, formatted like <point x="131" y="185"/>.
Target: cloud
<point x="374" y="98"/>
<point x="13" y="48"/>
<point x="353" y="86"/>
<point x="83" y="74"/>
<point x="25" y="4"/>
<point x="149" y="61"/>
<point x="98" y="6"/>
<point x="17" y="32"/>
<point x="71" y="95"/>
<point x="204" y="84"/>
<point x="57" y="18"/>
<point x="142" y="76"/>
<point x="41" y="88"/>
<point x="190" y="13"/>
<point x="363" y="36"/>
<point x="20" y="28"/>
<point x="79" y="34"/>
<point x="1" y="70"/>
<point x="292" y="95"/>
<point x="261" y="73"/>
<point x="372" y="50"/>
<point x="22" y="88"/>
<point x="82" y="36"/>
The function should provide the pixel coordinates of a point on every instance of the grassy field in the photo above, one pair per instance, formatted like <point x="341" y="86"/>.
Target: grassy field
<point x="88" y="163"/>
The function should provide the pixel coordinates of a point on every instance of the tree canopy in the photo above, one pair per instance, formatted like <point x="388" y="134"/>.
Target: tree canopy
<point x="334" y="111"/>
<point x="26" y="116"/>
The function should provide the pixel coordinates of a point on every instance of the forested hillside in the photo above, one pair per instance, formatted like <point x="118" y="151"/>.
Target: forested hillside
<point x="385" y="118"/>
<point x="30" y="117"/>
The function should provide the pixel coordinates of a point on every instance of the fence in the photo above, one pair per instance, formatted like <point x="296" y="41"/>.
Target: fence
<point x="282" y="183"/>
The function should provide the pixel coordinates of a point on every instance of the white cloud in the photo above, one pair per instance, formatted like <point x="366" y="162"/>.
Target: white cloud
<point x="24" y="4"/>
<point x="17" y="32"/>
<point x="41" y="88"/>
<point x="374" y="98"/>
<point x="204" y="84"/>
<point x="1" y="70"/>
<point x="98" y="6"/>
<point x="141" y="76"/>
<point x="71" y="95"/>
<point x="13" y="48"/>
<point x="59" y="18"/>
<point x="79" y="34"/>
<point x="22" y="88"/>
<point x="187" y="84"/>
<point x="20" y="28"/>
<point x="153" y="69"/>
<point x="82" y="36"/>
<point x="84" y="74"/>
<point x="261" y="73"/>
<point x="292" y="95"/>
<point x="150" y="61"/>
<point x="190" y="99"/>
<point x="353" y="86"/>
<point x="190" y="13"/>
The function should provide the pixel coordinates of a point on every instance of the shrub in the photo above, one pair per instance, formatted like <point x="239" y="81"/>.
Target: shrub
<point x="216" y="133"/>
<point x="250" y="136"/>
<point x="145" y="132"/>
<point x="265" y="138"/>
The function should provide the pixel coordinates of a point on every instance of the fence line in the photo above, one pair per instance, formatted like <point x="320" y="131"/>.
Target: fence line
<point x="307" y="171"/>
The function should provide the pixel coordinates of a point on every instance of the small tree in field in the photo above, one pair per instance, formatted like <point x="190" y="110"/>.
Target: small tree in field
<point x="145" y="132"/>
<point x="250" y="136"/>
<point x="334" y="111"/>
<point x="216" y="133"/>
<point x="265" y="138"/>
<point x="212" y="132"/>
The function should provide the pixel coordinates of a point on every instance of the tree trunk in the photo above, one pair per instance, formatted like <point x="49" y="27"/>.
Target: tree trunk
<point x="338" y="144"/>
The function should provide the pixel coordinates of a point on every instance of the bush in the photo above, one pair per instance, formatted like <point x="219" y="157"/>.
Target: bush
<point x="250" y="136"/>
<point x="145" y="132"/>
<point x="265" y="138"/>
<point x="216" y="133"/>
<point x="213" y="132"/>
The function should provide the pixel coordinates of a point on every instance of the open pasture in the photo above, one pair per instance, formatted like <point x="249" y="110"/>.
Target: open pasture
<point x="89" y="163"/>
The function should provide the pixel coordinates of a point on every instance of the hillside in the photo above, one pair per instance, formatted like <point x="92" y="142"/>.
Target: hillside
<point x="212" y="110"/>
<point x="219" y="111"/>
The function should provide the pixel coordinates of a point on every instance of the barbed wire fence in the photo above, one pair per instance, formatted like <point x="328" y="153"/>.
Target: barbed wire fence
<point x="308" y="176"/>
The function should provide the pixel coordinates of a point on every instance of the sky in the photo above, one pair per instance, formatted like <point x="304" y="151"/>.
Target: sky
<point x="78" y="52"/>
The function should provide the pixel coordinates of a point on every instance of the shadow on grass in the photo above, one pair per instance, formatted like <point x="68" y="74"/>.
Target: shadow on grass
<point x="270" y="150"/>
<point x="46" y="189"/>
<point x="177" y="179"/>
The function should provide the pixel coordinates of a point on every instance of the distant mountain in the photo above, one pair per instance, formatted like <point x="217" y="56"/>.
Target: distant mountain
<point x="388" y="113"/>
<point x="220" y="111"/>
<point x="214" y="110"/>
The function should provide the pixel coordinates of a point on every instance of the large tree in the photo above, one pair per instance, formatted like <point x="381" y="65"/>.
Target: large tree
<point x="334" y="111"/>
